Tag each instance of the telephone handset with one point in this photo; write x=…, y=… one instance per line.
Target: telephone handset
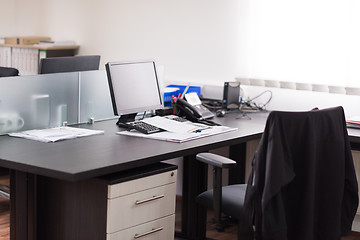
x=192, y=108
x=187, y=110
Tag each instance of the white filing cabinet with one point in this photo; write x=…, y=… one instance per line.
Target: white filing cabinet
x=143, y=208
x=135, y=204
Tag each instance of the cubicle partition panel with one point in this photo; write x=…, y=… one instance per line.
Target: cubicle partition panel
x=95, y=100
x=51, y=100
x=39, y=101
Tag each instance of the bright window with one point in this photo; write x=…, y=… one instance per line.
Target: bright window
x=310, y=41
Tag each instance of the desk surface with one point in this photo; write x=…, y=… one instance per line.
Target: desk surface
x=94, y=156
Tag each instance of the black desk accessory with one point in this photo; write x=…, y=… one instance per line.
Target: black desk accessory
x=231, y=96
x=220, y=113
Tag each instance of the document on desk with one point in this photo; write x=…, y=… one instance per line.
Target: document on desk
x=173, y=126
x=353, y=122
x=55, y=134
x=179, y=131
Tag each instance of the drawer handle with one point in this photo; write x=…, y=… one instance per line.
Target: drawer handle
x=148, y=200
x=149, y=232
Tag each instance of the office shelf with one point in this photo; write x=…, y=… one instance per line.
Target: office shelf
x=26, y=57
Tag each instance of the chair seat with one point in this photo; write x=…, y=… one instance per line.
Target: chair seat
x=8, y=72
x=233, y=197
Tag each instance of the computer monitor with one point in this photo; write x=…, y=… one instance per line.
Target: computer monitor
x=69, y=64
x=134, y=88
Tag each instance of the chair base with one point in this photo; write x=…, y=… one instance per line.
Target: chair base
x=4, y=191
x=226, y=221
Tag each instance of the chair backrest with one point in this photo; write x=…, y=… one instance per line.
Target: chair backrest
x=69, y=64
x=303, y=183
x=8, y=72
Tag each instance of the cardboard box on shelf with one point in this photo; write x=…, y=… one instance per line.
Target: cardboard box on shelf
x=11, y=40
x=30, y=40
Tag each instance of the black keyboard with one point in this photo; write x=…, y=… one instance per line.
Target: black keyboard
x=179, y=119
x=144, y=127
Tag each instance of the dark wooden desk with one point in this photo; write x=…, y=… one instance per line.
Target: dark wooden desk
x=354, y=138
x=86, y=158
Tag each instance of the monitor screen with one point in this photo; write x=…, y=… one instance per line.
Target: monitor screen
x=69, y=64
x=134, y=86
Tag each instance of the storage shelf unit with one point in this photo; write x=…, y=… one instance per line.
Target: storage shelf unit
x=26, y=57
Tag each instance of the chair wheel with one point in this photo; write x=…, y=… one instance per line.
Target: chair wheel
x=219, y=227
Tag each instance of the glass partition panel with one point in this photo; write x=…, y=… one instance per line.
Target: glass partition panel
x=95, y=100
x=39, y=101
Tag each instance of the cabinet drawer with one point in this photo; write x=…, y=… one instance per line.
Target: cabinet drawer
x=141, y=184
x=140, y=207
x=161, y=229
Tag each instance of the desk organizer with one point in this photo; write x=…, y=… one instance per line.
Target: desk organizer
x=181, y=88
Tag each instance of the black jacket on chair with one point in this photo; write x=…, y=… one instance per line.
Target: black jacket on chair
x=303, y=184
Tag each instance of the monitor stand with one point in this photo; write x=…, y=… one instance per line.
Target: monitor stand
x=123, y=119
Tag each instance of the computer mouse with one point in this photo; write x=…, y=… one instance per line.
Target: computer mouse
x=220, y=113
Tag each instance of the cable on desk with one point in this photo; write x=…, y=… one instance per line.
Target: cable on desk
x=251, y=105
x=212, y=104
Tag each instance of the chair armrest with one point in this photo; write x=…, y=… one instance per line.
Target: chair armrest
x=215, y=160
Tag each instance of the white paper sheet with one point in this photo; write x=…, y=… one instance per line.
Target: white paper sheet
x=180, y=137
x=55, y=134
x=175, y=126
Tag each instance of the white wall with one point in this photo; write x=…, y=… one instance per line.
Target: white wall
x=7, y=17
x=196, y=40
x=301, y=100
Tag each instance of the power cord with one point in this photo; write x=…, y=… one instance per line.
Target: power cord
x=251, y=105
x=212, y=104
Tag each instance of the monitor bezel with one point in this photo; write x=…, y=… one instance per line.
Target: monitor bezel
x=130, y=111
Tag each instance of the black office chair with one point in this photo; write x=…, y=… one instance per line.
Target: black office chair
x=228, y=199
x=8, y=72
x=4, y=172
x=69, y=64
x=303, y=183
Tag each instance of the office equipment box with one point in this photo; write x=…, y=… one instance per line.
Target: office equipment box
x=175, y=90
x=126, y=205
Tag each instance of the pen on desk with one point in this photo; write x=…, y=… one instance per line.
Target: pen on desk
x=200, y=130
x=185, y=90
x=174, y=105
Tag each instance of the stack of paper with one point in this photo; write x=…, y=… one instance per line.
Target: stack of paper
x=55, y=43
x=56, y=134
x=353, y=122
x=178, y=131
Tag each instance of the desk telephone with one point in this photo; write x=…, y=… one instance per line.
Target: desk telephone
x=192, y=108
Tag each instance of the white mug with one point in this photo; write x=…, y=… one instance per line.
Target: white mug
x=10, y=122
